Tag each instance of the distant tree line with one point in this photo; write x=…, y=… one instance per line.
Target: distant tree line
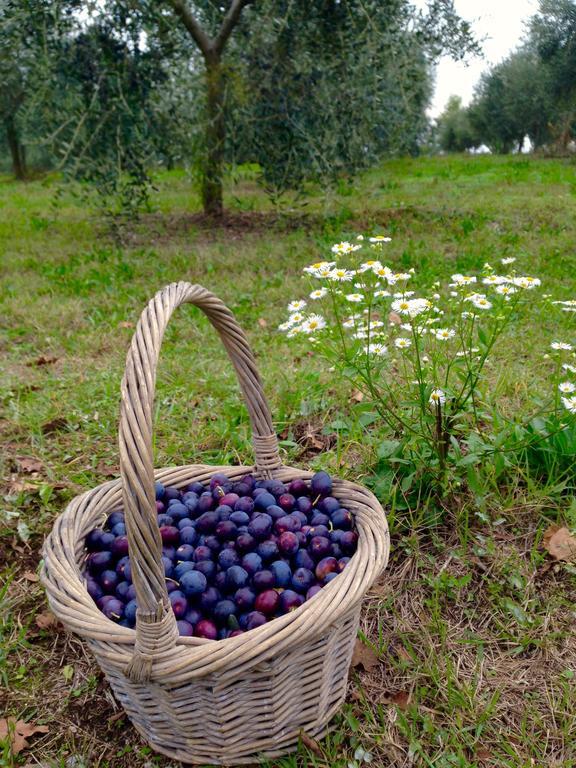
x=307, y=90
x=532, y=93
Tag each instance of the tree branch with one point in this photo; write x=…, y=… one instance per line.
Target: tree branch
x=202, y=40
x=228, y=24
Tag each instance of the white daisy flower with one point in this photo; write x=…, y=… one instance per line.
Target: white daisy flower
x=459, y=279
x=354, y=297
x=508, y=260
x=494, y=280
x=285, y=326
x=569, y=303
x=437, y=397
x=381, y=294
x=482, y=303
x=526, y=282
x=505, y=290
x=561, y=345
x=566, y=387
x=381, y=271
x=376, y=349
x=403, y=295
x=443, y=334
x=371, y=264
x=359, y=237
x=296, y=306
x=402, y=343
x=294, y=331
x=402, y=276
x=570, y=403
x=345, y=247
x=361, y=334
x=342, y=275
x=569, y=368
x=411, y=307
x=466, y=315
x=313, y=323
x=295, y=319
x=313, y=269
x=380, y=239
x=319, y=293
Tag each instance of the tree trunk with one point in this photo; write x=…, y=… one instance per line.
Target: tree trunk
x=16, y=149
x=213, y=164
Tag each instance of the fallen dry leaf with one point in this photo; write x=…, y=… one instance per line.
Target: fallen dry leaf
x=20, y=486
x=482, y=754
x=107, y=470
x=356, y=396
x=29, y=464
x=125, y=324
x=43, y=360
x=560, y=543
x=31, y=576
x=401, y=699
x=262, y=323
x=395, y=318
x=45, y=620
x=18, y=731
x=311, y=744
x=55, y=425
x=364, y=656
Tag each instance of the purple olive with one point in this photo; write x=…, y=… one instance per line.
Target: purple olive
x=267, y=602
x=342, y=518
x=179, y=603
x=320, y=547
x=185, y=628
x=263, y=580
x=207, y=629
x=255, y=619
x=170, y=535
x=348, y=542
x=313, y=591
x=289, y=543
x=290, y=600
x=326, y=566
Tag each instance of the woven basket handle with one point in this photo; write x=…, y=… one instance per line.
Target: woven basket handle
x=155, y=624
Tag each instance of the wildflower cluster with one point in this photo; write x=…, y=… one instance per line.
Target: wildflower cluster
x=366, y=317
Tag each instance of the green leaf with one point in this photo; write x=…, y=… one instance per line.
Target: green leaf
x=387, y=448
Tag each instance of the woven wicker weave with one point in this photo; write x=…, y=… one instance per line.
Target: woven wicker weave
x=201, y=701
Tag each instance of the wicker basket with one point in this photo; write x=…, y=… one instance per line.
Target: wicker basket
x=202, y=701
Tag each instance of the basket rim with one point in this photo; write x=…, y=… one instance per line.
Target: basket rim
x=64, y=581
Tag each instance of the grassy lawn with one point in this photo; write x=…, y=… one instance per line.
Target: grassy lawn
x=471, y=626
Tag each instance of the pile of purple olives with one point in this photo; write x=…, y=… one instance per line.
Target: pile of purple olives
x=236, y=554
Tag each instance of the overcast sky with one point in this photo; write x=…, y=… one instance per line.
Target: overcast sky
x=501, y=22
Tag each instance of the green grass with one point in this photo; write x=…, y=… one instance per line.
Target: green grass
x=472, y=623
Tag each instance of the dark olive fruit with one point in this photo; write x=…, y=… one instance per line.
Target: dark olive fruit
x=219, y=479
x=319, y=547
x=342, y=518
x=169, y=552
x=185, y=552
x=263, y=580
x=226, y=530
x=282, y=573
x=131, y=594
x=171, y=585
x=202, y=553
x=298, y=488
x=205, y=503
x=275, y=487
x=236, y=577
x=342, y=563
x=130, y=611
x=252, y=562
x=170, y=535
x=268, y=550
x=321, y=484
x=330, y=577
x=114, y=518
x=303, y=504
x=245, y=543
x=209, y=599
x=160, y=507
x=193, y=583
x=224, y=512
x=121, y=565
x=165, y=519
x=255, y=619
x=193, y=616
x=171, y=493
x=303, y=559
x=244, y=504
x=302, y=580
x=113, y=609
x=227, y=558
x=220, y=580
x=197, y=488
x=319, y=518
x=290, y=600
x=185, y=628
x=168, y=566
x=275, y=512
x=229, y=499
x=313, y=591
x=207, y=567
x=93, y=588
x=242, y=489
x=159, y=490
x=335, y=535
x=183, y=568
x=240, y=518
x=319, y=530
x=223, y=610
x=348, y=542
x=326, y=566
x=109, y=581
x=185, y=522
x=264, y=500
x=236, y=632
x=188, y=535
x=267, y=602
x=207, y=629
x=178, y=511
x=260, y=526
x=287, y=523
x=286, y=501
x=93, y=540
x=207, y=522
x=118, y=530
x=122, y=590
x=244, y=599
x=328, y=505
x=288, y=543
x=99, y=561
x=179, y=603
x=302, y=517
